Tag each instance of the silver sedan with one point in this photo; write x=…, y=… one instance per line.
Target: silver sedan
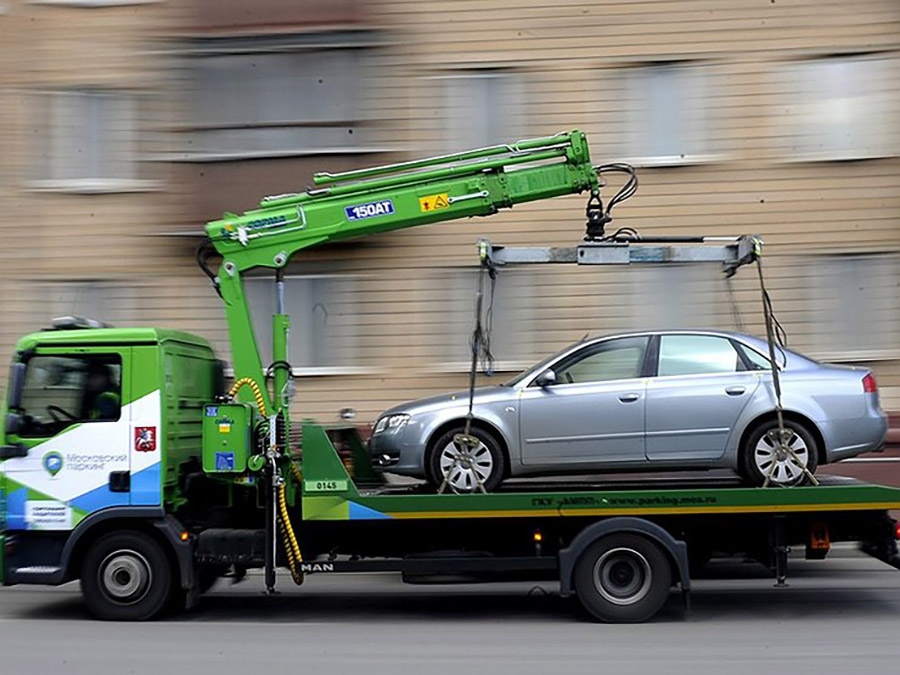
x=669, y=400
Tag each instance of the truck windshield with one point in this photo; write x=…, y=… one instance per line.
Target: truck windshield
x=61, y=390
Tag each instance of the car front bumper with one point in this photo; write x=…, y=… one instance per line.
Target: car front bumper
x=398, y=452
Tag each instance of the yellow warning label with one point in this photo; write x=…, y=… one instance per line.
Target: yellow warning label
x=434, y=202
x=224, y=428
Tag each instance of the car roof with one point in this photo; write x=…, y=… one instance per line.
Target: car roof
x=677, y=331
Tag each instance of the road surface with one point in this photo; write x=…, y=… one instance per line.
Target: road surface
x=841, y=615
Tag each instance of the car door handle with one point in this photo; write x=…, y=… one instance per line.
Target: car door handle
x=628, y=398
x=735, y=391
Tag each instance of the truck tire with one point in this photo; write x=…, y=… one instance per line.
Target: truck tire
x=758, y=452
x=487, y=459
x=126, y=576
x=623, y=578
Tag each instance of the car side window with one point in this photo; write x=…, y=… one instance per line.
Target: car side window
x=755, y=360
x=60, y=391
x=696, y=355
x=618, y=359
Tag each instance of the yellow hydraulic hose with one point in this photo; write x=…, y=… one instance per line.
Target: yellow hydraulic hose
x=257, y=393
x=291, y=547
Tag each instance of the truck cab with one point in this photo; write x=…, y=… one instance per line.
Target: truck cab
x=101, y=423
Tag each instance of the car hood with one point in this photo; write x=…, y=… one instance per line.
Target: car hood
x=453, y=399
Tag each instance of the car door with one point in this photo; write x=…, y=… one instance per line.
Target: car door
x=700, y=387
x=594, y=414
x=77, y=435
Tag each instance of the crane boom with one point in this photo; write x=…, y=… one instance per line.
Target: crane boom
x=373, y=200
x=396, y=196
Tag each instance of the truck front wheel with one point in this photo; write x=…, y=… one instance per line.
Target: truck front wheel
x=126, y=576
x=623, y=578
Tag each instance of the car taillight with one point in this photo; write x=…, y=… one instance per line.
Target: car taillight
x=869, y=385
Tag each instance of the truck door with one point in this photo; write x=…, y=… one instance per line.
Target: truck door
x=78, y=434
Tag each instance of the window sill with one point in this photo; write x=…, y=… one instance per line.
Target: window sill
x=93, y=186
x=801, y=157
x=202, y=158
x=857, y=356
x=323, y=371
x=93, y=4
x=464, y=366
x=672, y=160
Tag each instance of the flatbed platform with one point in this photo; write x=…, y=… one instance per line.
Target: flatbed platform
x=329, y=493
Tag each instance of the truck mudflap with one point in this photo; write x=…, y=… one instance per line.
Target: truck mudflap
x=885, y=547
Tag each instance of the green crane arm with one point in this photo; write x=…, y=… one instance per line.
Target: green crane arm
x=381, y=199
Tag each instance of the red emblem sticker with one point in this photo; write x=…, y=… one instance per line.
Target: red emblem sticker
x=145, y=439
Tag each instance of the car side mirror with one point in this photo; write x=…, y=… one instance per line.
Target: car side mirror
x=546, y=379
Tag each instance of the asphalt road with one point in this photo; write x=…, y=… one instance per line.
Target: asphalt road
x=838, y=616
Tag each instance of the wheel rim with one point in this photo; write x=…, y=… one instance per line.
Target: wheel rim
x=778, y=464
x=125, y=577
x=460, y=465
x=622, y=576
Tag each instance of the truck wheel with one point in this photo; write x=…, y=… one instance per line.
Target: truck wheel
x=760, y=457
x=623, y=578
x=461, y=464
x=126, y=576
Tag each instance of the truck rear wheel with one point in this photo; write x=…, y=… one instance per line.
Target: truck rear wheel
x=126, y=576
x=623, y=578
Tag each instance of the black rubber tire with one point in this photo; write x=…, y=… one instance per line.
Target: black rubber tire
x=432, y=459
x=142, y=553
x=623, y=552
x=751, y=473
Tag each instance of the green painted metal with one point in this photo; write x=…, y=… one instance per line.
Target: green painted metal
x=184, y=371
x=393, y=198
x=226, y=437
x=107, y=336
x=322, y=467
x=281, y=327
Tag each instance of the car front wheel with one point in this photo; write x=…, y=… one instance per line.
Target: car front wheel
x=461, y=467
x=126, y=576
x=763, y=457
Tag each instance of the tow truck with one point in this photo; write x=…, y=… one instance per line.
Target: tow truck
x=127, y=462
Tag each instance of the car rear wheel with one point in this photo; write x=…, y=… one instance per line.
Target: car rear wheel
x=762, y=457
x=623, y=578
x=464, y=466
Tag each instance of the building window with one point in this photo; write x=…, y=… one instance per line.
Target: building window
x=277, y=104
x=448, y=315
x=677, y=296
x=482, y=108
x=838, y=108
x=667, y=117
x=85, y=138
x=855, y=314
x=105, y=301
x=323, y=336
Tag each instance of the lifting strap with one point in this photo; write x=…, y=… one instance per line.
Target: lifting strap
x=480, y=345
x=775, y=335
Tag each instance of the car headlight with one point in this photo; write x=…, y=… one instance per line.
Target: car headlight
x=390, y=422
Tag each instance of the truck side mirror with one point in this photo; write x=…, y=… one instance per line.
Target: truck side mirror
x=546, y=379
x=13, y=423
x=16, y=385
